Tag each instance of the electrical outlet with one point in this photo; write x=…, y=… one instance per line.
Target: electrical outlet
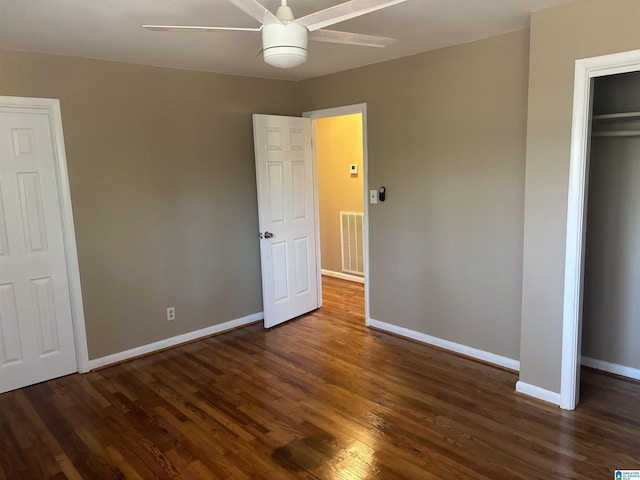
x=171, y=313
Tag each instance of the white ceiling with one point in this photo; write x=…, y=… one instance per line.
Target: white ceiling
x=110, y=29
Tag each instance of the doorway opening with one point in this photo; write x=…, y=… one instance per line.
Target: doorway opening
x=339, y=137
x=586, y=71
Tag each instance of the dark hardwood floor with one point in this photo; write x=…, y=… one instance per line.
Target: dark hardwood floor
x=320, y=397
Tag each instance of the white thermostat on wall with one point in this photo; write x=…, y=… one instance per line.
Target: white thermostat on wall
x=353, y=169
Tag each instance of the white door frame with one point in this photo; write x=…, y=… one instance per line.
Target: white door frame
x=51, y=107
x=337, y=112
x=585, y=71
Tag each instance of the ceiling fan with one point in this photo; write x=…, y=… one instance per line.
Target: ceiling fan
x=284, y=38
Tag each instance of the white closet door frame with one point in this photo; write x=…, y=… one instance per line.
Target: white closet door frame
x=51, y=107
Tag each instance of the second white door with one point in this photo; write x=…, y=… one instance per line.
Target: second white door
x=286, y=210
x=36, y=328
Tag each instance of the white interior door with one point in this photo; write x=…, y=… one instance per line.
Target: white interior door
x=36, y=327
x=286, y=210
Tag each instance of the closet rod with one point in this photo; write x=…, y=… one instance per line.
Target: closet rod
x=617, y=116
x=616, y=133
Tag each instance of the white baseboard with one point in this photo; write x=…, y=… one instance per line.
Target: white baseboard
x=343, y=276
x=465, y=350
x=173, y=341
x=615, y=368
x=537, y=392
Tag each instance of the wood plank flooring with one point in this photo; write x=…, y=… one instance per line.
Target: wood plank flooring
x=321, y=397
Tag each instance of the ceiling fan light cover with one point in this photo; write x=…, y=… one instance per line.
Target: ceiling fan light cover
x=285, y=45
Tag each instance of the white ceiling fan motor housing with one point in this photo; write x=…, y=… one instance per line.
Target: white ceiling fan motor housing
x=284, y=44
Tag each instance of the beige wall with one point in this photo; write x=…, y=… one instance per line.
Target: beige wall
x=446, y=136
x=559, y=36
x=163, y=189
x=163, y=184
x=338, y=145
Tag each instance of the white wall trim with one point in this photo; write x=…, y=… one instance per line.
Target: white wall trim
x=615, y=368
x=465, y=350
x=343, y=276
x=348, y=110
x=173, y=341
x=51, y=107
x=585, y=70
x=537, y=392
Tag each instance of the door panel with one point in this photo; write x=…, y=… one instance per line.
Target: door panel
x=32, y=214
x=302, y=264
x=36, y=329
x=11, y=347
x=275, y=188
x=286, y=207
x=298, y=187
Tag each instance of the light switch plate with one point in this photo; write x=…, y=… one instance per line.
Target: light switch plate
x=353, y=169
x=373, y=196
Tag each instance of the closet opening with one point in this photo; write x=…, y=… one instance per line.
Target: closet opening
x=611, y=288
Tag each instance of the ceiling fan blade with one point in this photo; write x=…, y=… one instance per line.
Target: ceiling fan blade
x=194, y=28
x=256, y=10
x=342, y=12
x=333, y=36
